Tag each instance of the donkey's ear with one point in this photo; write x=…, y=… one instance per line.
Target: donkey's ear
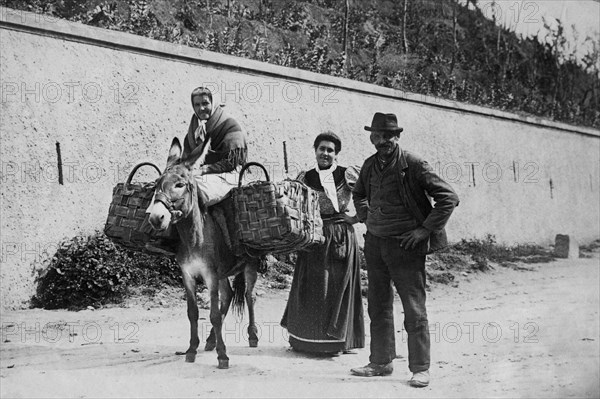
x=198, y=155
x=174, y=152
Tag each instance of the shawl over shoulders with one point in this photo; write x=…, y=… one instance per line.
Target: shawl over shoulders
x=228, y=139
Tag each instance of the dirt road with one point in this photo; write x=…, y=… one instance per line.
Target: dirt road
x=508, y=333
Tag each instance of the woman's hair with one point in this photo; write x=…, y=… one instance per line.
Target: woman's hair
x=199, y=91
x=329, y=136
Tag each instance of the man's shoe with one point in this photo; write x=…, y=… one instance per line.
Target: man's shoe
x=373, y=369
x=420, y=379
x=162, y=246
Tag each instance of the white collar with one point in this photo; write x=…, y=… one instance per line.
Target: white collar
x=328, y=183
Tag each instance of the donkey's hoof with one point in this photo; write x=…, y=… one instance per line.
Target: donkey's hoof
x=223, y=364
x=190, y=357
x=253, y=343
x=210, y=346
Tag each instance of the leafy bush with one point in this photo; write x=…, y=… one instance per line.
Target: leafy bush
x=94, y=271
x=489, y=249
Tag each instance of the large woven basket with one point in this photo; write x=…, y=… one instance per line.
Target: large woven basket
x=127, y=221
x=276, y=217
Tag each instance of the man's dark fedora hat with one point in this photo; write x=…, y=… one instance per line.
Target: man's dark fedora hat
x=384, y=122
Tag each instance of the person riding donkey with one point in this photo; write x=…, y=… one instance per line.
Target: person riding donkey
x=220, y=171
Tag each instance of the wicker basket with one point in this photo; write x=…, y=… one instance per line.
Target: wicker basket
x=127, y=221
x=276, y=217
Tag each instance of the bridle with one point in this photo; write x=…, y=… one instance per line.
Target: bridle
x=160, y=196
x=174, y=207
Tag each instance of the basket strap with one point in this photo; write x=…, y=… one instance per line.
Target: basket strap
x=246, y=166
x=139, y=165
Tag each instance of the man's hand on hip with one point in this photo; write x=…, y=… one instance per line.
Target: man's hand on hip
x=409, y=240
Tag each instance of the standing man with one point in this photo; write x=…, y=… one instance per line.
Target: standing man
x=391, y=197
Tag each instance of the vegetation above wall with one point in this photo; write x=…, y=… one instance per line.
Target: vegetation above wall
x=440, y=48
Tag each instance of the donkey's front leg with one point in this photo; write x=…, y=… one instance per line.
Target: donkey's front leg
x=225, y=296
x=250, y=274
x=216, y=319
x=192, y=310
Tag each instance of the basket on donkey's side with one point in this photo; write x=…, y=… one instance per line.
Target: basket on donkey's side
x=276, y=217
x=127, y=223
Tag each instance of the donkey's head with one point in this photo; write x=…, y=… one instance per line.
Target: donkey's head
x=176, y=191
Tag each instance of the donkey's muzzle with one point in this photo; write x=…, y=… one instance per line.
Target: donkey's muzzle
x=160, y=217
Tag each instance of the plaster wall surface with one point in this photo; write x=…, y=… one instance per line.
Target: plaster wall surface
x=110, y=106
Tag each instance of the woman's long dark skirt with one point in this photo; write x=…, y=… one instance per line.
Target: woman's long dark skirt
x=324, y=312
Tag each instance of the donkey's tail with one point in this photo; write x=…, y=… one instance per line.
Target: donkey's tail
x=239, y=292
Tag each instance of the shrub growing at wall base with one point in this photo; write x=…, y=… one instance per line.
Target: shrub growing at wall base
x=487, y=248
x=92, y=271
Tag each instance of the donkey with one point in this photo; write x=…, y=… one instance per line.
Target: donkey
x=202, y=253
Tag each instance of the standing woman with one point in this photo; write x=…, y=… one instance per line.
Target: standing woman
x=324, y=312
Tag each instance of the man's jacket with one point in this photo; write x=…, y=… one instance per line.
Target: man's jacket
x=418, y=182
